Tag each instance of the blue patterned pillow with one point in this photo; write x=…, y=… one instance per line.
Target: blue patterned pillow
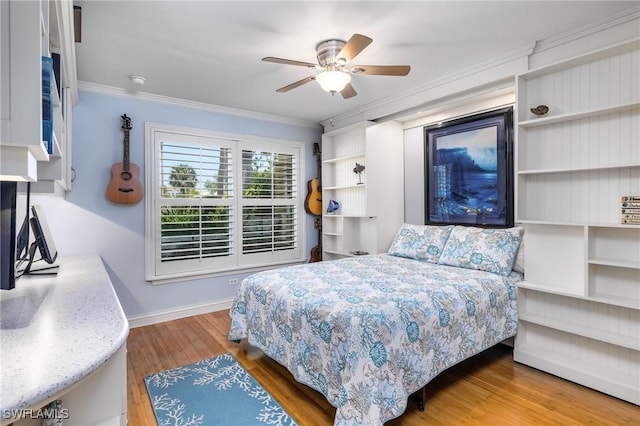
x=491, y=250
x=518, y=264
x=421, y=242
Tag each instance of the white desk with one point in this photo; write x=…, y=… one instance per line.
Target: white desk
x=64, y=337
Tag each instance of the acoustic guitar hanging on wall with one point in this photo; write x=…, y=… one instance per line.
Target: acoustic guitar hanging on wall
x=313, y=201
x=125, y=187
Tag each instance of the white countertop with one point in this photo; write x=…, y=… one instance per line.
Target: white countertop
x=56, y=330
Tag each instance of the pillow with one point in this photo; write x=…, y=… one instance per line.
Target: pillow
x=485, y=249
x=518, y=265
x=420, y=242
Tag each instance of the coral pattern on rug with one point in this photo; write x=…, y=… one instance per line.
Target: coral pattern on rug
x=214, y=391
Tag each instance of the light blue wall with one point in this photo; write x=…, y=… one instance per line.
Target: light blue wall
x=86, y=223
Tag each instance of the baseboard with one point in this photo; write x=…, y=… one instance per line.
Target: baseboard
x=182, y=312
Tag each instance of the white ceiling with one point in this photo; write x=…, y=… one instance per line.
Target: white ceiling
x=211, y=51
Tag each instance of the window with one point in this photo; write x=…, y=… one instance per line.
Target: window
x=220, y=202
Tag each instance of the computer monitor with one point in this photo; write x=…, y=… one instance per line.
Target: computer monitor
x=43, y=242
x=22, y=238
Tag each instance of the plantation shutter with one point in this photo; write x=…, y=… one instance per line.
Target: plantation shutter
x=269, y=204
x=220, y=204
x=196, y=204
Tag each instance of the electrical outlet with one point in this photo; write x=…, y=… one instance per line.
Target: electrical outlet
x=233, y=281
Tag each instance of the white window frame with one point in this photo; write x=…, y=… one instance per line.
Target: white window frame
x=155, y=272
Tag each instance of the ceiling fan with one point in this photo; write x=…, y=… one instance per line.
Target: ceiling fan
x=333, y=56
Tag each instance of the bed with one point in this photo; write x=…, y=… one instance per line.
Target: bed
x=368, y=331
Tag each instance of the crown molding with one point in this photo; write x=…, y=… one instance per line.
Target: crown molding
x=144, y=96
x=588, y=29
x=365, y=112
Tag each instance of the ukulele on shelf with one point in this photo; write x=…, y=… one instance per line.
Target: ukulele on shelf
x=313, y=202
x=124, y=187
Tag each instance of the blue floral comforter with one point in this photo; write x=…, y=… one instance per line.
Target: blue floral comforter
x=369, y=331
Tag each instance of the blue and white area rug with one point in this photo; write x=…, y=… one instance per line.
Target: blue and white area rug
x=215, y=391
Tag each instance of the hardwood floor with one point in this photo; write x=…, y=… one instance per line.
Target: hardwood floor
x=489, y=389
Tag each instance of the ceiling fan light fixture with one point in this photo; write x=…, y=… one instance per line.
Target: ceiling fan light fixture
x=333, y=55
x=333, y=81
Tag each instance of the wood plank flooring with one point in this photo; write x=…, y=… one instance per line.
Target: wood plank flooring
x=489, y=389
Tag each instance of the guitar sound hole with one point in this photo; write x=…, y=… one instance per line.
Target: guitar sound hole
x=125, y=175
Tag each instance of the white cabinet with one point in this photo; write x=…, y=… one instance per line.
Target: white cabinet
x=32, y=30
x=579, y=305
x=371, y=203
x=98, y=400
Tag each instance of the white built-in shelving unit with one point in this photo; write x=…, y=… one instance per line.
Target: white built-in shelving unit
x=372, y=205
x=579, y=306
x=36, y=29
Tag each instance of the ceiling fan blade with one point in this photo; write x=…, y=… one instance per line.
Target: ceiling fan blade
x=296, y=84
x=399, y=70
x=348, y=91
x=354, y=46
x=289, y=62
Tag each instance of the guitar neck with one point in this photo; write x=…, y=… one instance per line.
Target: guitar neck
x=317, y=153
x=125, y=154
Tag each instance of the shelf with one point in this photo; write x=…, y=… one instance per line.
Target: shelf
x=18, y=163
x=343, y=253
x=547, y=222
x=577, y=369
x=615, y=263
x=548, y=288
x=580, y=224
x=571, y=363
x=616, y=49
x=545, y=121
x=335, y=188
x=339, y=253
x=343, y=158
x=50, y=187
x=607, y=336
x=577, y=169
x=607, y=299
x=340, y=216
x=624, y=302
